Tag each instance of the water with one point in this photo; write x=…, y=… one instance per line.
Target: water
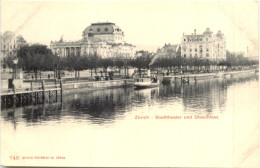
x=196, y=124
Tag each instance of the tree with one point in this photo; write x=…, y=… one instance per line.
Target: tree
x=119, y=63
x=93, y=62
x=36, y=57
x=142, y=62
x=105, y=63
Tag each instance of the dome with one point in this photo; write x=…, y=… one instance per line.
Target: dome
x=102, y=28
x=207, y=31
x=219, y=34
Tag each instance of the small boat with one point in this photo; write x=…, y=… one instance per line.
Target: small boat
x=146, y=82
x=185, y=80
x=219, y=75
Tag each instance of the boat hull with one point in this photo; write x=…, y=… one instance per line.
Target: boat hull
x=143, y=86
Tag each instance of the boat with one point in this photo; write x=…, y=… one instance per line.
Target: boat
x=185, y=80
x=146, y=82
x=219, y=75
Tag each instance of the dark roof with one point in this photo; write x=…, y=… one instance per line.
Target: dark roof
x=102, y=28
x=103, y=23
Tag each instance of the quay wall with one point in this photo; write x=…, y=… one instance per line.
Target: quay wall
x=203, y=76
x=87, y=86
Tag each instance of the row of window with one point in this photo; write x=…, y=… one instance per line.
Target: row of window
x=196, y=55
x=11, y=47
x=98, y=29
x=195, y=39
x=118, y=38
x=195, y=50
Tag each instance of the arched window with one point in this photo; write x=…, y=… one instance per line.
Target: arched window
x=98, y=30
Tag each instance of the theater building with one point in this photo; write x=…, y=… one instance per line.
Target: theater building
x=104, y=39
x=206, y=45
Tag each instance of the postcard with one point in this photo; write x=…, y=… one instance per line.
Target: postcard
x=130, y=83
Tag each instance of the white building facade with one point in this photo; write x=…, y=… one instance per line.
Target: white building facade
x=10, y=44
x=104, y=39
x=205, y=46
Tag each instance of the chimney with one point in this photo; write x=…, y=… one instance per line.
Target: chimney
x=194, y=31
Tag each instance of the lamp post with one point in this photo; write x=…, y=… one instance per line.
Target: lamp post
x=15, y=61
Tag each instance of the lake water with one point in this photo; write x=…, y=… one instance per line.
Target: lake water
x=210, y=123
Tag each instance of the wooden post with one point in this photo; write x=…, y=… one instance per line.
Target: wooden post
x=31, y=93
x=43, y=93
x=56, y=90
x=49, y=96
x=21, y=99
x=61, y=90
x=14, y=100
x=5, y=101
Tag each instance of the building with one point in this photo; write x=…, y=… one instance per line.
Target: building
x=104, y=39
x=207, y=45
x=10, y=43
x=168, y=50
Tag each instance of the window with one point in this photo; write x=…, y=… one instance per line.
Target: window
x=196, y=55
x=190, y=50
x=184, y=55
x=195, y=49
x=207, y=49
x=14, y=46
x=98, y=30
x=201, y=50
x=106, y=29
x=207, y=55
x=90, y=29
x=190, y=55
x=184, y=39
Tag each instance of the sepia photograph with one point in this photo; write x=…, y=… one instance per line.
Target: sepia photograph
x=129, y=83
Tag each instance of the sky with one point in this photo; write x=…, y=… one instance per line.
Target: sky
x=146, y=24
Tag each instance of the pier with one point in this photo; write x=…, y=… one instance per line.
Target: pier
x=48, y=92
x=36, y=94
x=186, y=78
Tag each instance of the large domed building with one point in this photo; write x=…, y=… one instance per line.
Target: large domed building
x=105, y=39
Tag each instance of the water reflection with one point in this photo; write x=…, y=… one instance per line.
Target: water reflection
x=108, y=106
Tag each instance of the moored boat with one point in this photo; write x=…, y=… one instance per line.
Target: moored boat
x=146, y=82
x=219, y=75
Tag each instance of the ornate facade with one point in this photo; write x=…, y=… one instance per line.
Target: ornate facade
x=207, y=45
x=10, y=43
x=104, y=39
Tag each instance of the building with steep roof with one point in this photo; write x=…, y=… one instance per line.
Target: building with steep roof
x=104, y=39
x=10, y=43
x=169, y=50
x=206, y=46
